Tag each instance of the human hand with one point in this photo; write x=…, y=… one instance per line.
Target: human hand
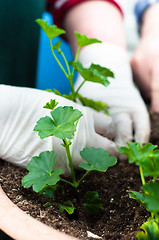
x=21, y=108
x=127, y=108
x=145, y=60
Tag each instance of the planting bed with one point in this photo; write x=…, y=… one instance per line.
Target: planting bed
x=120, y=217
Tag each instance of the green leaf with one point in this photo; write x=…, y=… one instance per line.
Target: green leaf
x=139, y=197
x=151, y=231
x=136, y=153
x=49, y=90
x=92, y=202
x=150, y=166
x=68, y=96
x=51, y=31
x=57, y=92
x=49, y=191
x=42, y=172
x=97, y=159
x=61, y=125
x=151, y=196
x=96, y=105
x=95, y=73
x=83, y=40
x=57, y=46
x=51, y=105
x=68, y=207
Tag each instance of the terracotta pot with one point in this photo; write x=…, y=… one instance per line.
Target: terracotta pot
x=20, y=226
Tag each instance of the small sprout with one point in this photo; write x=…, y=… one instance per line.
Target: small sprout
x=68, y=207
x=92, y=202
x=51, y=105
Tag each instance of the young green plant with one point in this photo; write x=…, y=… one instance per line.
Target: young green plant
x=147, y=159
x=43, y=176
x=95, y=73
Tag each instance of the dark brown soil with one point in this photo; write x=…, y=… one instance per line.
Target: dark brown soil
x=120, y=217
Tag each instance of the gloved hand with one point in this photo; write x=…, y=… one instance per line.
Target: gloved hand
x=21, y=108
x=127, y=108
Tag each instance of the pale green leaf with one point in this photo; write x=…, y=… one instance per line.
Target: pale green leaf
x=83, y=40
x=51, y=31
x=57, y=45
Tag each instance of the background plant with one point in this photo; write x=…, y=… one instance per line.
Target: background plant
x=147, y=159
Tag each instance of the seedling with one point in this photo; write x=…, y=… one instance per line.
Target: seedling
x=95, y=73
x=43, y=176
x=147, y=158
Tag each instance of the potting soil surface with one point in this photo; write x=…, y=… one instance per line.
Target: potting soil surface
x=120, y=217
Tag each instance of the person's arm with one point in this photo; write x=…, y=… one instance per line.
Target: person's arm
x=20, y=226
x=145, y=61
x=96, y=19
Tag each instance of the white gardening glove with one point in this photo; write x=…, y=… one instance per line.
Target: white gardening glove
x=127, y=108
x=21, y=108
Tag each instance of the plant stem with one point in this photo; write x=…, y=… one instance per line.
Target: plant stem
x=142, y=175
x=66, y=145
x=154, y=179
x=57, y=59
x=157, y=217
x=76, y=58
x=152, y=215
x=79, y=87
x=69, y=76
x=66, y=62
x=77, y=54
x=63, y=180
x=83, y=177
